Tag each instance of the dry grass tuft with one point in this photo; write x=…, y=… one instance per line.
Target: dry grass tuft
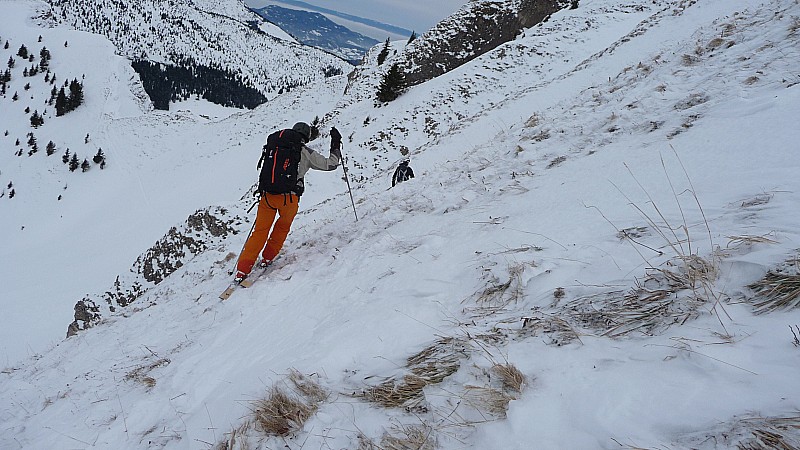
x=237, y=438
x=559, y=330
x=488, y=400
x=308, y=388
x=779, y=289
x=557, y=161
x=795, y=26
x=430, y=366
x=533, y=121
x=498, y=295
x=409, y=437
x=715, y=43
x=689, y=60
x=513, y=379
x=735, y=241
x=140, y=373
x=281, y=413
x=284, y=411
x=654, y=303
x=394, y=393
x=759, y=433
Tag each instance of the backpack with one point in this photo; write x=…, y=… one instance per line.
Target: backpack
x=281, y=158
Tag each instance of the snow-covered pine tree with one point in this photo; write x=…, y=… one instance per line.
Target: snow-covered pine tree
x=384, y=52
x=73, y=162
x=392, y=84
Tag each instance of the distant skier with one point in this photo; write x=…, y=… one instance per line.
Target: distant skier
x=286, y=160
x=403, y=173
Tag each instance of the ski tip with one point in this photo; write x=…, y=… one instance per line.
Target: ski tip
x=227, y=293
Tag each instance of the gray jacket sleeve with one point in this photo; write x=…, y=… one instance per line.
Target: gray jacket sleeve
x=310, y=159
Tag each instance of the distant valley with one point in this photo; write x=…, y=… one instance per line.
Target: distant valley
x=316, y=30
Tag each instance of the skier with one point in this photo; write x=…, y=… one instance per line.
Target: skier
x=286, y=160
x=403, y=173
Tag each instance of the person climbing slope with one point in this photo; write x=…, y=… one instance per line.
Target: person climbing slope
x=286, y=160
x=402, y=173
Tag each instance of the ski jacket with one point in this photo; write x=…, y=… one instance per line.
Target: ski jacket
x=402, y=173
x=310, y=159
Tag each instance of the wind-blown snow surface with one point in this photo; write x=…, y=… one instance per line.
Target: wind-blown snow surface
x=513, y=220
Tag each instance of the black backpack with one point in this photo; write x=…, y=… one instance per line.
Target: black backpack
x=281, y=159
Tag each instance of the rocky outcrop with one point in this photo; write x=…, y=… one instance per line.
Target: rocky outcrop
x=478, y=27
x=204, y=229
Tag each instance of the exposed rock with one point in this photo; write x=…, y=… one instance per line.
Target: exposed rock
x=478, y=27
x=202, y=230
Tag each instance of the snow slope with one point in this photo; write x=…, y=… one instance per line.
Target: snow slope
x=566, y=181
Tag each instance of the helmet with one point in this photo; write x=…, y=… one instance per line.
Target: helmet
x=302, y=128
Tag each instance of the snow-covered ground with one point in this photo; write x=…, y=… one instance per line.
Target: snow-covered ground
x=566, y=182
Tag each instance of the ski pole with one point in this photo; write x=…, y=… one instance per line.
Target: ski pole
x=347, y=179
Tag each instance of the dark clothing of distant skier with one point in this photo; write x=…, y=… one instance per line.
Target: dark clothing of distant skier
x=403, y=173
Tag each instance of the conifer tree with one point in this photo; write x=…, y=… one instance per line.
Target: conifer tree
x=412, y=37
x=44, y=55
x=11, y=62
x=15, y=97
x=73, y=162
x=65, y=157
x=51, y=148
x=392, y=84
x=36, y=119
x=384, y=52
x=5, y=47
x=61, y=102
x=99, y=157
x=85, y=166
x=75, y=94
x=22, y=52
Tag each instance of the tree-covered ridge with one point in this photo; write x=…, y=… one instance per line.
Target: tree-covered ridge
x=167, y=83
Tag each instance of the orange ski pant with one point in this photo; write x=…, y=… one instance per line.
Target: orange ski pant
x=285, y=206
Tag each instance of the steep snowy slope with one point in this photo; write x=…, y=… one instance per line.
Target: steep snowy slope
x=593, y=201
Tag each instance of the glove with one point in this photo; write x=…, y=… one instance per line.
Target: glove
x=336, y=138
x=336, y=143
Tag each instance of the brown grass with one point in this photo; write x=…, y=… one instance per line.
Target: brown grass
x=513, y=380
x=762, y=433
x=559, y=330
x=141, y=373
x=409, y=437
x=308, y=388
x=654, y=304
x=280, y=413
x=430, y=366
x=493, y=402
x=735, y=241
x=779, y=289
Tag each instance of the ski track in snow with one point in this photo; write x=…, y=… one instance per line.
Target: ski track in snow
x=529, y=162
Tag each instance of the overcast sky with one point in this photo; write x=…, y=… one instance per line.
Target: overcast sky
x=413, y=15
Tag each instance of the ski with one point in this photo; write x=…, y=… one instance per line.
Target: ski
x=257, y=273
